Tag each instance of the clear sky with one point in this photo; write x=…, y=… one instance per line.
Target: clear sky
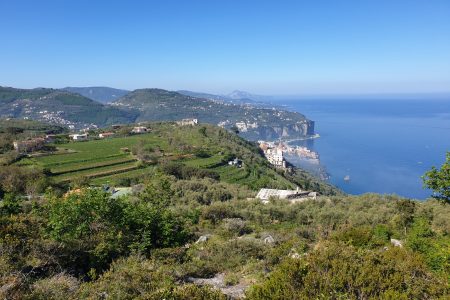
x=266, y=47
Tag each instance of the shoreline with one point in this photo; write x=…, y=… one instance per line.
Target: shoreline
x=315, y=136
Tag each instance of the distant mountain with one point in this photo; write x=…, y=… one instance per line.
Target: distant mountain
x=236, y=97
x=98, y=93
x=204, y=95
x=59, y=107
x=253, y=122
x=73, y=110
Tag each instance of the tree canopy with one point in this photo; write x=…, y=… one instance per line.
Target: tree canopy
x=439, y=180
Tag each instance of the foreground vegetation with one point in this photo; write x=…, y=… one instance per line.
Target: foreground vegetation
x=89, y=246
x=191, y=228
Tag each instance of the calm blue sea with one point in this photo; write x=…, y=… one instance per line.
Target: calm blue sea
x=383, y=145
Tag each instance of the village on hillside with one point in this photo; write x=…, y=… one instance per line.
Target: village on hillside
x=273, y=152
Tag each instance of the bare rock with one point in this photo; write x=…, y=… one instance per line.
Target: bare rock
x=203, y=238
x=268, y=239
x=218, y=282
x=396, y=243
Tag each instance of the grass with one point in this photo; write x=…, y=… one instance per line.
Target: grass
x=103, y=160
x=205, y=162
x=77, y=166
x=137, y=173
x=97, y=172
x=96, y=159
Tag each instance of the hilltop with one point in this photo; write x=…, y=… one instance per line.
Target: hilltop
x=100, y=94
x=253, y=122
x=59, y=107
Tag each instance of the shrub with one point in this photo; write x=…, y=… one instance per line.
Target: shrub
x=236, y=226
x=60, y=286
x=130, y=278
x=341, y=271
x=191, y=291
x=218, y=211
x=96, y=228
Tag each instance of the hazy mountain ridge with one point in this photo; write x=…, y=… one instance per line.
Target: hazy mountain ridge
x=75, y=111
x=59, y=107
x=101, y=94
x=236, y=97
x=253, y=122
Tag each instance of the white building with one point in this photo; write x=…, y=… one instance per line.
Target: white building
x=139, y=129
x=275, y=157
x=79, y=137
x=242, y=126
x=186, y=122
x=235, y=162
x=105, y=135
x=224, y=123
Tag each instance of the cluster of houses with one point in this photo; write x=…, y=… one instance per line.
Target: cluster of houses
x=274, y=154
x=244, y=127
x=136, y=130
x=103, y=135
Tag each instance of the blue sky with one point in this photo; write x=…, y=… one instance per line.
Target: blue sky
x=266, y=47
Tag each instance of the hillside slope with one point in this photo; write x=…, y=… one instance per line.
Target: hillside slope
x=59, y=107
x=253, y=122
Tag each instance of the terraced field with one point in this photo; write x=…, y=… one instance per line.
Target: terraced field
x=106, y=160
x=98, y=172
x=99, y=159
x=206, y=163
x=140, y=172
x=80, y=166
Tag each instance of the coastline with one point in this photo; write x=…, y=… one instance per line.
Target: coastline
x=311, y=137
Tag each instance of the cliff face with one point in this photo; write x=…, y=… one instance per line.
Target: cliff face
x=284, y=131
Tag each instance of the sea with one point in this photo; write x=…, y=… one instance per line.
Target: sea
x=377, y=145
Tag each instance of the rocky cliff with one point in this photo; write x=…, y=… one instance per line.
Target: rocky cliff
x=253, y=122
x=284, y=130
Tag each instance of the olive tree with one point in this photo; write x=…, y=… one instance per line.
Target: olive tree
x=439, y=181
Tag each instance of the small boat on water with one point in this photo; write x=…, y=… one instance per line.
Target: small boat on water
x=347, y=178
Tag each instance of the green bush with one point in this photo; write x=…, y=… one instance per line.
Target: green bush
x=340, y=271
x=130, y=278
x=96, y=228
x=60, y=286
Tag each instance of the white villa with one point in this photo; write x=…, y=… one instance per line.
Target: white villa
x=139, y=129
x=105, y=135
x=79, y=137
x=187, y=122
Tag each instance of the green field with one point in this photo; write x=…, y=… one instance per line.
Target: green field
x=105, y=161
x=99, y=159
